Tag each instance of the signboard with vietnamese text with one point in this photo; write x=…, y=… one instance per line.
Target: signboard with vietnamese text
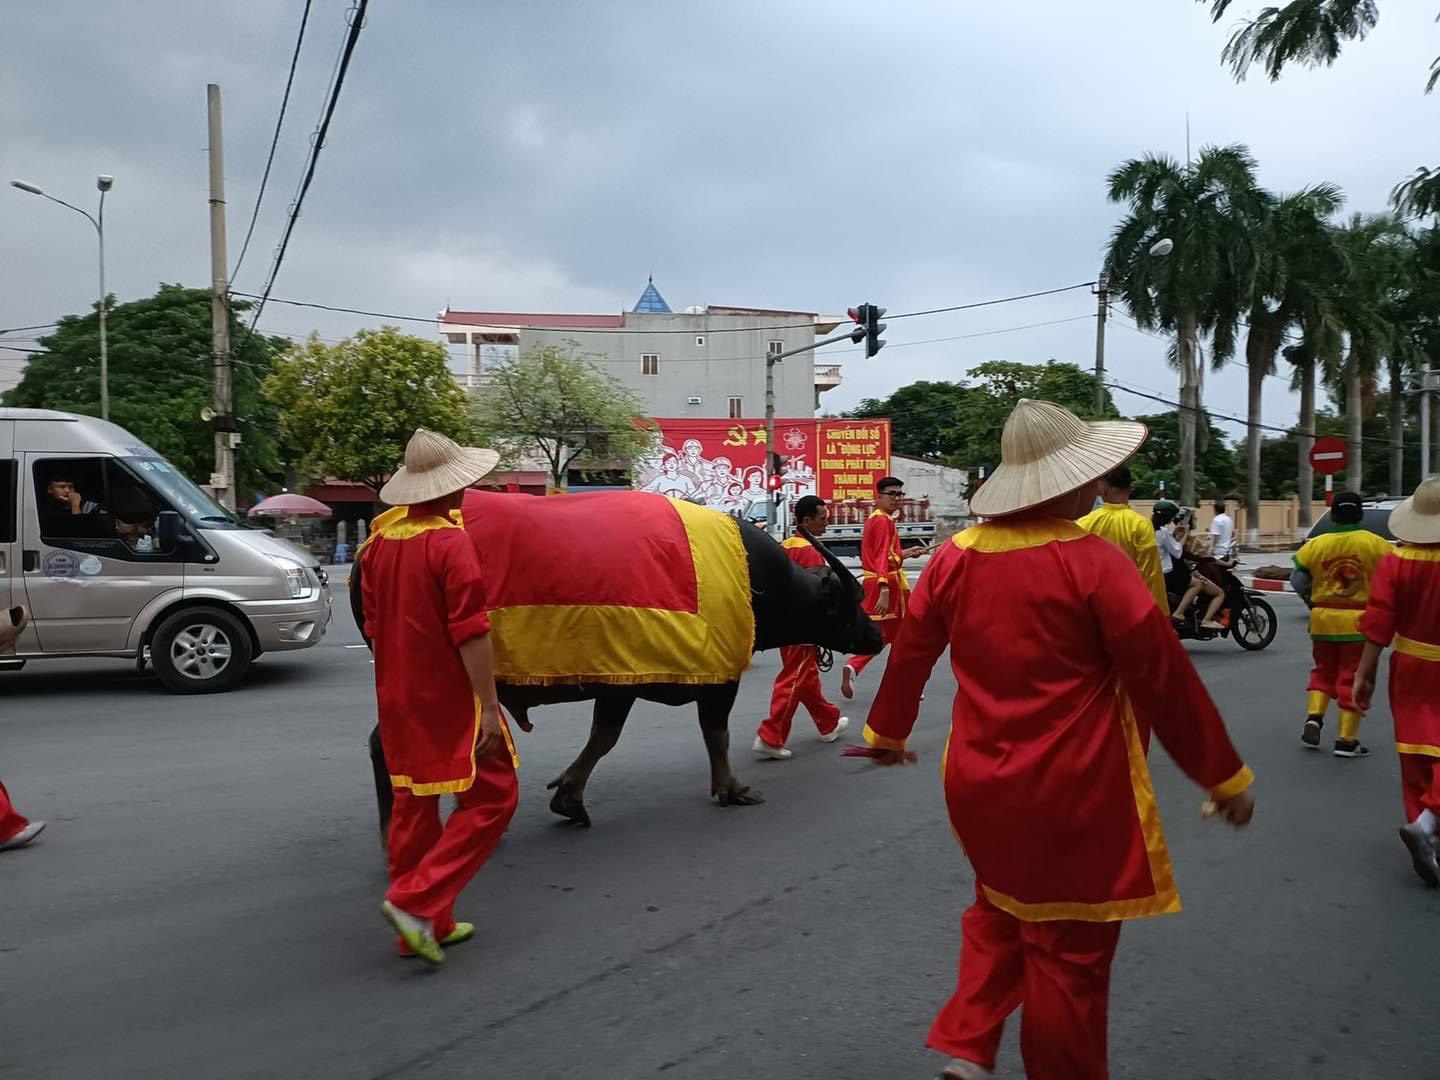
x=854, y=457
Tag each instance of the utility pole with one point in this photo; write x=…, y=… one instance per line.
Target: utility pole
x=1102, y=297
x=223, y=479
x=1427, y=385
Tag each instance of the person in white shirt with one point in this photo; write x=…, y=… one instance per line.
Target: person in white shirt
x=1222, y=533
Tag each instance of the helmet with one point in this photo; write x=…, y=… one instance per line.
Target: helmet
x=1165, y=511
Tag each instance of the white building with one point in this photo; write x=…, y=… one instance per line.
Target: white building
x=702, y=362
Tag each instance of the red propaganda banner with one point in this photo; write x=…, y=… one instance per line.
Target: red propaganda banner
x=721, y=463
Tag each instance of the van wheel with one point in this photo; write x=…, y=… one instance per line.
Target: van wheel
x=201, y=651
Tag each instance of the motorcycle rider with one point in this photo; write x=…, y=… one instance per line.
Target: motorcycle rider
x=1180, y=579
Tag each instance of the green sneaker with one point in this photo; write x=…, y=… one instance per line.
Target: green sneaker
x=462, y=933
x=415, y=933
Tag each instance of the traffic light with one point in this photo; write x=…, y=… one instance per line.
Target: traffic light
x=777, y=471
x=868, y=327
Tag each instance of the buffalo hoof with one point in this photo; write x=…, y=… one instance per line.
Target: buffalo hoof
x=568, y=804
x=738, y=794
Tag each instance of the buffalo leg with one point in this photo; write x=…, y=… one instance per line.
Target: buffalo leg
x=611, y=712
x=384, y=796
x=714, y=706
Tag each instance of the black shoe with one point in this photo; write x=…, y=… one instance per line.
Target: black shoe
x=1350, y=748
x=1310, y=736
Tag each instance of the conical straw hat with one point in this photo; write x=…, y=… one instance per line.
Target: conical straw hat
x=1417, y=519
x=1047, y=451
x=436, y=466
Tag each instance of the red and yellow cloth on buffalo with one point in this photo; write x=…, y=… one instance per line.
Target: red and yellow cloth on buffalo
x=881, y=560
x=1404, y=609
x=1064, y=666
x=423, y=598
x=1340, y=565
x=616, y=587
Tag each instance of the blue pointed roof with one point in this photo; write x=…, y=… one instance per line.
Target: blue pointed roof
x=651, y=301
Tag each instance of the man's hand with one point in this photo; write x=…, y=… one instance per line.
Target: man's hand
x=492, y=738
x=1237, y=810
x=882, y=601
x=913, y=552
x=1364, y=689
x=895, y=757
x=11, y=634
x=76, y=502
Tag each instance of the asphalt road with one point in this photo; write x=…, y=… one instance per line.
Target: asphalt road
x=203, y=903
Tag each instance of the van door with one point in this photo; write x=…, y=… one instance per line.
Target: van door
x=9, y=534
x=91, y=558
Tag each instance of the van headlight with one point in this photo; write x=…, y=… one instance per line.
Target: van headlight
x=295, y=578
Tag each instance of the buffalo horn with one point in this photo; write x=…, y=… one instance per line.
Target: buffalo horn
x=840, y=569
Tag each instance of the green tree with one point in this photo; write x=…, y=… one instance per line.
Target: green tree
x=997, y=386
x=1212, y=210
x=352, y=407
x=1313, y=33
x=160, y=379
x=558, y=405
x=1217, y=471
x=925, y=414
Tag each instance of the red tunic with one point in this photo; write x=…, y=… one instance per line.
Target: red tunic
x=1405, y=608
x=1064, y=664
x=423, y=599
x=881, y=560
x=803, y=553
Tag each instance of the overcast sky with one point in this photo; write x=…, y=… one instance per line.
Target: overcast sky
x=547, y=156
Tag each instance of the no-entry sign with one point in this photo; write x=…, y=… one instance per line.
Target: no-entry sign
x=1329, y=455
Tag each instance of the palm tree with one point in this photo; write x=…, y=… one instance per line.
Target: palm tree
x=1296, y=257
x=1209, y=207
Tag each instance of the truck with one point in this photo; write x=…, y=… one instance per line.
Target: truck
x=116, y=553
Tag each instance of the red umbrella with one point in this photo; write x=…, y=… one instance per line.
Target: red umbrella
x=290, y=505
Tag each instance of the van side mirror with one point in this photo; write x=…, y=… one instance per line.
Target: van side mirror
x=168, y=529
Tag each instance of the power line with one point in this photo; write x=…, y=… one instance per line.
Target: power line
x=17, y=329
x=990, y=303
x=274, y=142
x=357, y=22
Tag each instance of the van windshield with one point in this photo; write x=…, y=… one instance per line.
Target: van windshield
x=183, y=495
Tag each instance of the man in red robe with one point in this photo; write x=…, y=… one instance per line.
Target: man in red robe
x=799, y=680
x=16, y=830
x=1065, y=666
x=440, y=722
x=1404, y=610
x=882, y=560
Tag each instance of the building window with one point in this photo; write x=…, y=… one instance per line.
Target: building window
x=649, y=363
x=700, y=340
x=737, y=408
x=775, y=349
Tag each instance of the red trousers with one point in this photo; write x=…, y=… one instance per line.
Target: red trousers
x=1419, y=784
x=11, y=820
x=1334, y=671
x=797, y=684
x=1059, y=971
x=431, y=865
x=888, y=629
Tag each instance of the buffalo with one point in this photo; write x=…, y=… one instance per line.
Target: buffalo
x=791, y=606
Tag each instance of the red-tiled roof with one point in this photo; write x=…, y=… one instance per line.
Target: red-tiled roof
x=552, y=322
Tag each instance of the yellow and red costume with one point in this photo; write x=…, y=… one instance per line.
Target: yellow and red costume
x=424, y=597
x=1064, y=666
x=11, y=820
x=799, y=680
x=1404, y=609
x=881, y=563
x=1340, y=564
x=1134, y=535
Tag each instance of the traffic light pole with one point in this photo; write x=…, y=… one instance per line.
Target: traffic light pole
x=770, y=362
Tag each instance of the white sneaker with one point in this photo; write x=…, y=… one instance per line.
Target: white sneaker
x=24, y=836
x=959, y=1069
x=847, y=681
x=765, y=750
x=840, y=726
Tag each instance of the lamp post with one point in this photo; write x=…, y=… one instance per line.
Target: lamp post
x=1159, y=249
x=104, y=184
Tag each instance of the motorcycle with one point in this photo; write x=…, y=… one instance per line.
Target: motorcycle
x=1245, y=616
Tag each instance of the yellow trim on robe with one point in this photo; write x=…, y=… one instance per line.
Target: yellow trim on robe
x=880, y=742
x=1421, y=650
x=996, y=536
x=1422, y=749
x=1419, y=552
x=1234, y=786
x=944, y=764
x=450, y=787
x=1166, y=898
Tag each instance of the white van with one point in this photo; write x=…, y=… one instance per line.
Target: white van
x=116, y=553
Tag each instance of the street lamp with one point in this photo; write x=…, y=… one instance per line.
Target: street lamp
x=1159, y=249
x=103, y=183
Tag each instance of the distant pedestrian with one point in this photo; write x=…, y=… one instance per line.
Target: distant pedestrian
x=425, y=614
x=15, y=829
x=799, y=680
x=882, y=561
x=1222, y=533
x=1340, y=565
x=1404, y=609
x=1129, y=531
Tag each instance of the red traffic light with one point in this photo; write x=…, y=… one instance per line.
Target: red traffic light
x=775, y=483
x=856, y=314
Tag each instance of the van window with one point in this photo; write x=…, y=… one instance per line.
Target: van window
x=9, y=473
x=96, y=499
